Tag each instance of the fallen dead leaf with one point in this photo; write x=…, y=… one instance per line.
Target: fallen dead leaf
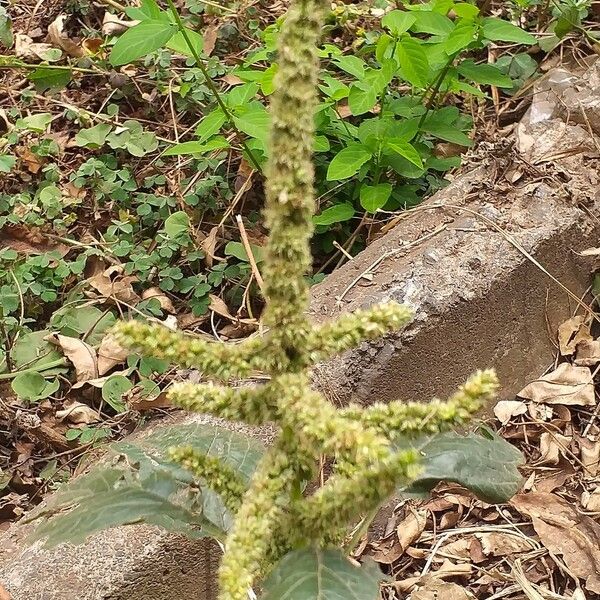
x=4, y=595
x=567, y=384
x=27, y=49
x=505, y=410
x=82, y=355
x=112, y=25
x=231, y=79
x=457, y=549
x=587, y=353
x=589, y=252
x=78, y=413
x=30, y=241
x=110, y=354
x=590, y=456
x=33, y=163
x=58, y=36
x=208, y=246
x=562, y=530
x=112, y=284
x=139, y=402
x=92, y=45
x=386, y=552
x=571, y=332
x=441, y=590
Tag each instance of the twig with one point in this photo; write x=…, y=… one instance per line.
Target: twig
x=251, y=259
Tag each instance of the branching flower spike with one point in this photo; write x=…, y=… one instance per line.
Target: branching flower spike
x=273, y=516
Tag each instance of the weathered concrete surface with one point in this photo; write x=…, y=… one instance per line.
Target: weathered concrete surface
x=479, y=302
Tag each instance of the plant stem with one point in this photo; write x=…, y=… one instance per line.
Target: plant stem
x=211, y=86
x=59, y=362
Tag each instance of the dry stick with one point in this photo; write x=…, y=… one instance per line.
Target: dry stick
x=251, y=259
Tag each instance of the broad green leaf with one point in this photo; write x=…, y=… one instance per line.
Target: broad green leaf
x=446, y=132
x=462, y=35
x=46, y=78
x=499, y=30
x=7, y=163
x=385, y=43
x=399, y=21
x=439, y=6
x=406, y=150
x=431, y=22
x=113, y=390
x=484, y=73
x=334, y=214
x=179, y=44
x=255, y=123
x=321, y=144
x=94, y=137
x=347, y=162
x=380, y=78
x=37, y=122
x=487, y=465
x=140, y=40
x=6, y=34
x=216, y=143
x=177, y=223
x=374, y=197
x=238, y=250
x=466, y=10
x=568, y=20
x=32, y=351
x=32, y=386
x=242, y=94
x=316, y=574
x=76, y=321
x=413, y=62
x=148, y=10
x=362, y=98
x=351, y=64
x=333, y=88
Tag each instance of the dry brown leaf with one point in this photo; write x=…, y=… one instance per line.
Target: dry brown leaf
x=110, y=354
x=499, y=543
x=112, y=25
x=564, y=531
x=210, y=36
x=58, y=36
x=505, y=410
x=4, y=595
x=386, y=552
x=441, y=590
x=591, y=500
x=555, y=481
x=457, y=549
x=589, y=252
x=78, y=413
x=98, y=382
x=164, y=300
x=112, y=284
x=145, y=402
x=450, y=569
x=27, y=49
x=565, y=385
x=92, y=45
x=590, y=456
x=33, y=163
x=587, y=353
x=411, y=528
x=571, y=332
x=552, y=446
x=231, y=79
x=82, y=355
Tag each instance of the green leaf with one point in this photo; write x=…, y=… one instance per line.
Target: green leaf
x=431, y=22
x=140, y=40
x=148, y=10
x=210, y=125
x=413, y=62
x=484, y=73
x=113, y=390
x=178, y=44
x=446, y=132
x=351, y=64
x=46, y=78
x=362, y=98
x=237, y=250
x=7, y=163
x=217, y=143
x=94, y=137
x=335, y=214
x=568, y=20
x=374, y=197
x=321, y=144
x=242, y=94
x=406, y=150
x=498, y=30
x=177, y=223
x=466, y=10
x=6, y=35
x=314, y=573
x=462, y=35
x=37, y=122
x=347, y=162
x=76, y=321
x=485, y=465
x=398, y=21
x=255, y=123
x=32, y=386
